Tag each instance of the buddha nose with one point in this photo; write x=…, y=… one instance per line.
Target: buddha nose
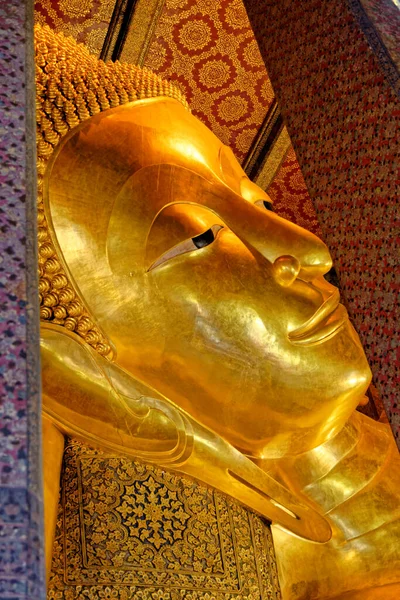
x=286, y=269
x=292, y=250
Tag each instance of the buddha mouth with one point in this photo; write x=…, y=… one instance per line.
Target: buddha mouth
x=324, y=324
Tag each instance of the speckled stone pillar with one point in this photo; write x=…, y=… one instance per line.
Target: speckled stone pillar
x=342, y=113
x=21, y=515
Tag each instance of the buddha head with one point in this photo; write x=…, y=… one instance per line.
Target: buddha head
x=182, y=275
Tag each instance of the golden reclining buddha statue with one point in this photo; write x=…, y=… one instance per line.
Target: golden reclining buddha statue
x=187, y=325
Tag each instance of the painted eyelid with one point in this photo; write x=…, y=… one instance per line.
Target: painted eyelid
x=183, y=247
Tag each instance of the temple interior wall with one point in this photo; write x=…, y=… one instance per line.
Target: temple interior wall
x=340, y=106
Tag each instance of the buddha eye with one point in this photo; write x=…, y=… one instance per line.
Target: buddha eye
x=195, y=243
x=268, y=205
x=265, y=204
x=204, y=239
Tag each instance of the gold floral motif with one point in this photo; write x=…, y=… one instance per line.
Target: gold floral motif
x=75, y=8
x=128, y=531
x=245, y=138
x=266, y=91
x=158, y=56
x=214, y=73
x=251, y=54
x=195, y=35
x=233, y=108
x=235, y=14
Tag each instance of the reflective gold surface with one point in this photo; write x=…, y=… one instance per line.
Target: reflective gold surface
x=53, y=444
x=232, y=359
x=97, y=401
x=354, y=480
x=244, y=334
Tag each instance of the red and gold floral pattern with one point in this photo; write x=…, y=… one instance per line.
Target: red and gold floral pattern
x=233, y=107
x=207, y=48
x=233, y=15
x=214, y=74
x=195, y=36
x=86, y=20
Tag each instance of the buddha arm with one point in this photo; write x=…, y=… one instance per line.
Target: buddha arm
x=94, y=400
x=354, y=480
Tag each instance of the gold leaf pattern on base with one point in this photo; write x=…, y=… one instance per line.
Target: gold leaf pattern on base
x=128, y=530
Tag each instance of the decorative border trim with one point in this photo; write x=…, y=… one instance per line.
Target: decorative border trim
x=150, y=32
x=268, y=150
x=377, y=44
x=110, y=45
x=22, y=574
x=263, y=142
x=274, y=160
x=131, y=30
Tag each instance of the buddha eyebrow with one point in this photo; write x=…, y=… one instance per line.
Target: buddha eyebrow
x=185, y=203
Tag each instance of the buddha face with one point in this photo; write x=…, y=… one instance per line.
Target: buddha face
x=207, y=295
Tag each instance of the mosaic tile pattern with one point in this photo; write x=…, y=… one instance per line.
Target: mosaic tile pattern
x=343, y=119
x=21, y=570
x=290, y=196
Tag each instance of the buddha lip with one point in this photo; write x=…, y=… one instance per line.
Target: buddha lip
x=324, y=323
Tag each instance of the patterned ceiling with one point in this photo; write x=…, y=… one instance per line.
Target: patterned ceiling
x=208, y=49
